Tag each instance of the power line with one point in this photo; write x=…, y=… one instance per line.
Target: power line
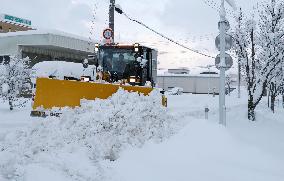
x=163, y=36
x=92, y=27
x=212, y=4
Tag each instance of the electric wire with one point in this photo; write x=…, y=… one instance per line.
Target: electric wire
x=92, y=28
x=212, y=4
x=167, y=38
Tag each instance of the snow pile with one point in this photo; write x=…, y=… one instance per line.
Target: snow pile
x=81, y=138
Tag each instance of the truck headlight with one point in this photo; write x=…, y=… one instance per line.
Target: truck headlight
x=132, y=79
x=85, y=79
x=136, y=47
x=97, y=47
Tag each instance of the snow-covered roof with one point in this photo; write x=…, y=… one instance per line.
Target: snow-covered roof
x=189, y=75
x=10, y=42
x=43, y=32
x=197, y=71
x=193, y=72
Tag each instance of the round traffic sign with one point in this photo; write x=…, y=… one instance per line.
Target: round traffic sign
x=107, y=33
x=225, y=23
x=228, y=42
x=228, y=62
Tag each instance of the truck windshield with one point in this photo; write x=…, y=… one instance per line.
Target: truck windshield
x=115, y=60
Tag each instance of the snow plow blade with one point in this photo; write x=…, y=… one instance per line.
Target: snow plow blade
x=65, y=93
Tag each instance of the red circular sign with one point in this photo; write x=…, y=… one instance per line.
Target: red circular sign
x=108, y=33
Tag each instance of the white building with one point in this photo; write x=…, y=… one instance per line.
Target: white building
x=196, y=81
x=196, y=84
x=45, y=46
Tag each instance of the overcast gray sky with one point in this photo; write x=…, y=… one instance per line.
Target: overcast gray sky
x=193, y=22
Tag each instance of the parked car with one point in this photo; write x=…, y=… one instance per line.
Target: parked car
x=175, y=91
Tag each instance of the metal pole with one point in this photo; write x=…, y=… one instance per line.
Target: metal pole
x=222, y=106
x=225, y=114
x=208, y=81
x=206, y=111
x=111, y=17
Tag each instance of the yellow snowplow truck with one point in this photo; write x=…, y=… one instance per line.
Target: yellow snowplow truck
x=130, y=67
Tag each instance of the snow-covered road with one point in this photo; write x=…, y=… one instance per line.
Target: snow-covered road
x=13, y=120
x=203, y=150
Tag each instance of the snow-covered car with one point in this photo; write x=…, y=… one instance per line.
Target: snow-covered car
x=175, y=91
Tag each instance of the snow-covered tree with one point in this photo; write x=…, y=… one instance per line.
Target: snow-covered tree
x=281, y=92
x=271, y=46
x=275, y=87
x=245, y=50
x=14, y=78
x=260, y=49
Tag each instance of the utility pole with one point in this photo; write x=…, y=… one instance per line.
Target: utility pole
x=222, y=106
x=111, y=17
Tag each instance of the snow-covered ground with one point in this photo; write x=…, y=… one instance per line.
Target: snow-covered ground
x=204, y=150
x=189, y=147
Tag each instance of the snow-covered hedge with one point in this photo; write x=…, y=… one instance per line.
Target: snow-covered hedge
x=101, y=128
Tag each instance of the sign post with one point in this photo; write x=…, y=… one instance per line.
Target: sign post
x=223, y=27
x=108, y=34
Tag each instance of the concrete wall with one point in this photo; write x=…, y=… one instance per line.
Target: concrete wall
x=190, y=84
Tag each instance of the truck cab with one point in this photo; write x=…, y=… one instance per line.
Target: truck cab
x=134, y=63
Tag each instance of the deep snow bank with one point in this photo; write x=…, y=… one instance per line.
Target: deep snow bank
x=74, y=144
x=205, y=150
